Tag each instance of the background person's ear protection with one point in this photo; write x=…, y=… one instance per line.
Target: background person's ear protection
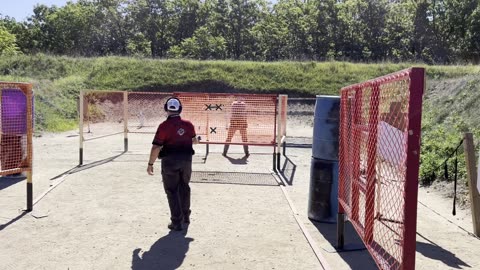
x=173, y=106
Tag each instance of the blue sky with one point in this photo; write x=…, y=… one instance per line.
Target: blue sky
x=21, y=9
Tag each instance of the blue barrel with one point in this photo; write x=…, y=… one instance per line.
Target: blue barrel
x=323, y=194
x=326, y=128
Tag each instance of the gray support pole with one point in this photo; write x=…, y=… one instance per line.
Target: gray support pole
x=278, y=161
x=274, y=159
x=283, y=114
x=279, y=128
x=340, y=230
x=30, y=148
x=125, y=121
x=279, y=135
x=29, y=190
x=80, y=127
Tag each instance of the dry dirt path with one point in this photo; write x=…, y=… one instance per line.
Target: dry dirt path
x=112, y=215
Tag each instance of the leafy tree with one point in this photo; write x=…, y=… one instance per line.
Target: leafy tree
x=373, y=14
x=111, y=29
x=217, y=21
x=243, y=16
x=153, y=19
x=349, y=37
x=441, y=31
x=422, y=35
x=8, y=44
x=186, y=17
x=399, y=31
x=324, y=31
x=71, y=29
x=40, y=28
x=138, y=45
x=452, y=25
x=271, y=35
x=202, y=45
x=299, y=21
x=473, y=36
x=20, y=30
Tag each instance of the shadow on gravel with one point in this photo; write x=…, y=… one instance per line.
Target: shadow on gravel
x=83, y=167
x=238, y=161
x=3, y=226
x=353, y=253
x=8, y=180
x=288, y=170
x=436, y=252
x=167, y=253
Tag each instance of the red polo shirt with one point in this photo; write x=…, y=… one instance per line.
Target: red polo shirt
x=175, y=135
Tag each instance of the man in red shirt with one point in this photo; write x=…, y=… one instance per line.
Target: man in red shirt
x=173, y=144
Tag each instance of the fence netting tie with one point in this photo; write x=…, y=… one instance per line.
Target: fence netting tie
x=455, y=183
x=432, y=175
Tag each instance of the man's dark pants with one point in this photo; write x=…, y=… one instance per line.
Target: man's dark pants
x=176, y=178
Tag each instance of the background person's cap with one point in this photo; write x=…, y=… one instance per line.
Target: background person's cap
x=173, y=105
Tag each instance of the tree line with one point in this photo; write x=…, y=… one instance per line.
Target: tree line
x=431, y=31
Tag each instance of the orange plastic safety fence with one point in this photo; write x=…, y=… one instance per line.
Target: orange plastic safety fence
x=218, y=118
x=16, y=126
x=232, y=118
x=146, y=111
x=379, y=162
x=103, y=113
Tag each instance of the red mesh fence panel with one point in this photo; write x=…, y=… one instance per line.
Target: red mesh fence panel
x=231, y=118
x=146, y=111
x=283, y=101
x=379, y=162
x=16, y=125
x=103, y=114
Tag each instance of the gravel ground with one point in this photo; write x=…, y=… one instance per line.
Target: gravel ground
x=110, y=214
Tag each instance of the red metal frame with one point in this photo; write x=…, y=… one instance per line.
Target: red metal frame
x=413, y=164
x=384, y=217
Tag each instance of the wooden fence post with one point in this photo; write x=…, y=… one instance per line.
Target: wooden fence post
x=472, y=181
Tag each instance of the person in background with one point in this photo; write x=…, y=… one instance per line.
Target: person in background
x=173, y=144
x=238, y=121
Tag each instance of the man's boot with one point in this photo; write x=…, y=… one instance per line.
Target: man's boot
x=225, y=150
x=175, y=226
x=245, y=149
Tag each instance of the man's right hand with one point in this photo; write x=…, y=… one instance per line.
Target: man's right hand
x=150, y=169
